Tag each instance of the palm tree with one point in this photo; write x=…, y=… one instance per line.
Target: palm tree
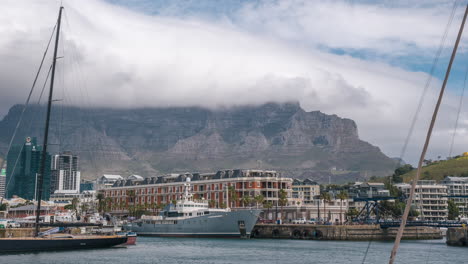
x=131, y=195
x=343, y=195
x=100, y=197
x=107, y=204
x=282, y=200
x=233, y=197
x=212, y=203
x=267, y=205
x=259, y=199
x=326, y=198
x=245, y=200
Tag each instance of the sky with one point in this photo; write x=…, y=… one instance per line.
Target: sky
x=364, y=60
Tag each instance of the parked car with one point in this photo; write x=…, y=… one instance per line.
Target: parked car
x=311, y=221
x=12, y=224
x=299, y=221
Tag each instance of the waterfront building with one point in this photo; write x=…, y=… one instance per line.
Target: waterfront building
x=65, y=174
x=368, y=190
x=429, y=200
x=319, y=210
x=21, y=173
x=458, y=186
x=304, y=191
x=107, y=180
x=209, y=186
x=2, y=182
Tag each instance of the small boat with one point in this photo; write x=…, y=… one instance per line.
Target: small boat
x=131, y=238
x=193, y=218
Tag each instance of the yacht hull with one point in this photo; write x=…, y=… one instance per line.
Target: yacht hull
x=24, y=244
x=233, y=224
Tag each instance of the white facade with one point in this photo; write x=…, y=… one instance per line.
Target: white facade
x=458, y=186
x=65, y=176
x=107, y=180
x=430, y=199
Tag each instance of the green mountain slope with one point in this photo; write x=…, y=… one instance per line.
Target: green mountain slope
x=439, y=169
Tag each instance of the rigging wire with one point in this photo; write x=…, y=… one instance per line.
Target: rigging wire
x=427, y=84
x=427, y=140
x=422, y=97
x=460, y=104
x=26, y=106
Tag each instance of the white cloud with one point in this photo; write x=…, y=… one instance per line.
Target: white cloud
x=118, y=58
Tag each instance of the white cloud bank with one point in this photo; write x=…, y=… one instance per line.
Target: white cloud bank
x=118, y=58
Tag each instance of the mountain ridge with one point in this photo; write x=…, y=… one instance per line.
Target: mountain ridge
x=150, y=141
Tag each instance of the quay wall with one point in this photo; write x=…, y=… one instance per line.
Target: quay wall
x=341, y=232
x=457, y=236
x=18, y=232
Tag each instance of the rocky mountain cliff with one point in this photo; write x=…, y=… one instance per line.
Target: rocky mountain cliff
x=150, y=141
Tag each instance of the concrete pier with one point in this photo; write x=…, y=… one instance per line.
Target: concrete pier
x=342, y=232
x=457, y=236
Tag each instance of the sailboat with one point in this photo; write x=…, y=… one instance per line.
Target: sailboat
x=46, y=241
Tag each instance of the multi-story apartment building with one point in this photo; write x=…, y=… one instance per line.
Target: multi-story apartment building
x=304, y=191
x=458, y=186
x=430, y=199
x=65, y=176
x=209, y=186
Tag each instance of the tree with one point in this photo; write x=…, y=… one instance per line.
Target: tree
x=352, y=213
x=3, y=207
x=397, y=175
x=246, y=200
x=453, y=210
x=267, y=205
x=326, y=198
x=107, y=204
x=282, y=200
x=233, y=197
x=131, y=195
x=223, y=205
x=259, y=199
x=100, y=197
x=211, y=203
x=74, y=204
x=343, y=195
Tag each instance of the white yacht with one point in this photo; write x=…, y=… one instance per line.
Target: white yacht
x=193, y=218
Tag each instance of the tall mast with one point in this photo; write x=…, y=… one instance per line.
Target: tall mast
x=40, y=179
x=426, y=144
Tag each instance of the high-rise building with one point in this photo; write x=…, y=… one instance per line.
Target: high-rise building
x=23, y=169
x=65, y=176
x=2, y=182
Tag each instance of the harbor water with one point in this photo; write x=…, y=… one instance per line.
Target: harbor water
x=268, y=251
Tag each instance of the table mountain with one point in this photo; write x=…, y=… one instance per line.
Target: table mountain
x=150, y=141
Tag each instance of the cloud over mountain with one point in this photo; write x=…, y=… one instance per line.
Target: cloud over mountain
x=264, y=52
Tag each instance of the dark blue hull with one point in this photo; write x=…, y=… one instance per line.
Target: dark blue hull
x=52, y=244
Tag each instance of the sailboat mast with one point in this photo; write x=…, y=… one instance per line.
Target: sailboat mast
x=42, y=166
x=426, y=144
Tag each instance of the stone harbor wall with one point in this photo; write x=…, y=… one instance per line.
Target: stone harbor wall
x=341, y=232
x=457, y=236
